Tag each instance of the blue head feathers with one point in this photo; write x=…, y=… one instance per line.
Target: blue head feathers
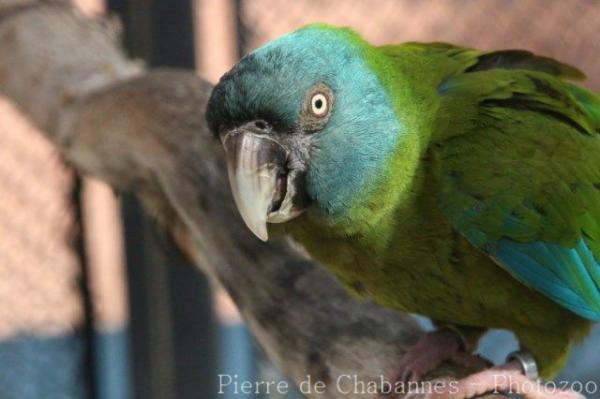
x=351, y=150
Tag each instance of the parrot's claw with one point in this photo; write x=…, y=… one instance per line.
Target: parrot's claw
x=508, y=378
x=430, y=351
x=433, y=349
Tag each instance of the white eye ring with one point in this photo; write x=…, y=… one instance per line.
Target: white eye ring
x=319, y=104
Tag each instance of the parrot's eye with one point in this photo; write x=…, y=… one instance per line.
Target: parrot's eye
x=317, y=108
x=319, y=105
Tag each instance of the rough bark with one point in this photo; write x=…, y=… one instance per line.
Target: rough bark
x=145, y=132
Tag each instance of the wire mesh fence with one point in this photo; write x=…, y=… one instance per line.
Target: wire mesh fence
x=39, y=268
x=40, y=300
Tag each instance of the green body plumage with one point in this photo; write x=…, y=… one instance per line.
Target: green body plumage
x=498, y=155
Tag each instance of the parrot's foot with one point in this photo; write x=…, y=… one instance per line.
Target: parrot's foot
x=507, y=379
x=433, y=349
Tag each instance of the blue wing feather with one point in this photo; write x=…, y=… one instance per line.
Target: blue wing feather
x=566, y=275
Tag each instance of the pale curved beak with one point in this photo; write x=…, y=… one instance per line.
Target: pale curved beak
x=258, y=178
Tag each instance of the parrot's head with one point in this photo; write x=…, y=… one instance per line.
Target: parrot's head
x=305, y=122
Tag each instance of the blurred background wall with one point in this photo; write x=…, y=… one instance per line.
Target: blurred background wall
x=75, y=319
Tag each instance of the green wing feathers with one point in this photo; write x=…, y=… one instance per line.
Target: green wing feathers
x=516, y=152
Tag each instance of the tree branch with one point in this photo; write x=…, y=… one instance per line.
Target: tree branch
x=145, y=132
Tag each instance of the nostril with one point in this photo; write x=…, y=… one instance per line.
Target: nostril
x=262, y=125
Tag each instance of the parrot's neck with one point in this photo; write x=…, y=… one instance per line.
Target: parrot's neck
x=389, y=226
x=386, y=206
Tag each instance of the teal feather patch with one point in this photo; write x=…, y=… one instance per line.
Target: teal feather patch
x=569, y=276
